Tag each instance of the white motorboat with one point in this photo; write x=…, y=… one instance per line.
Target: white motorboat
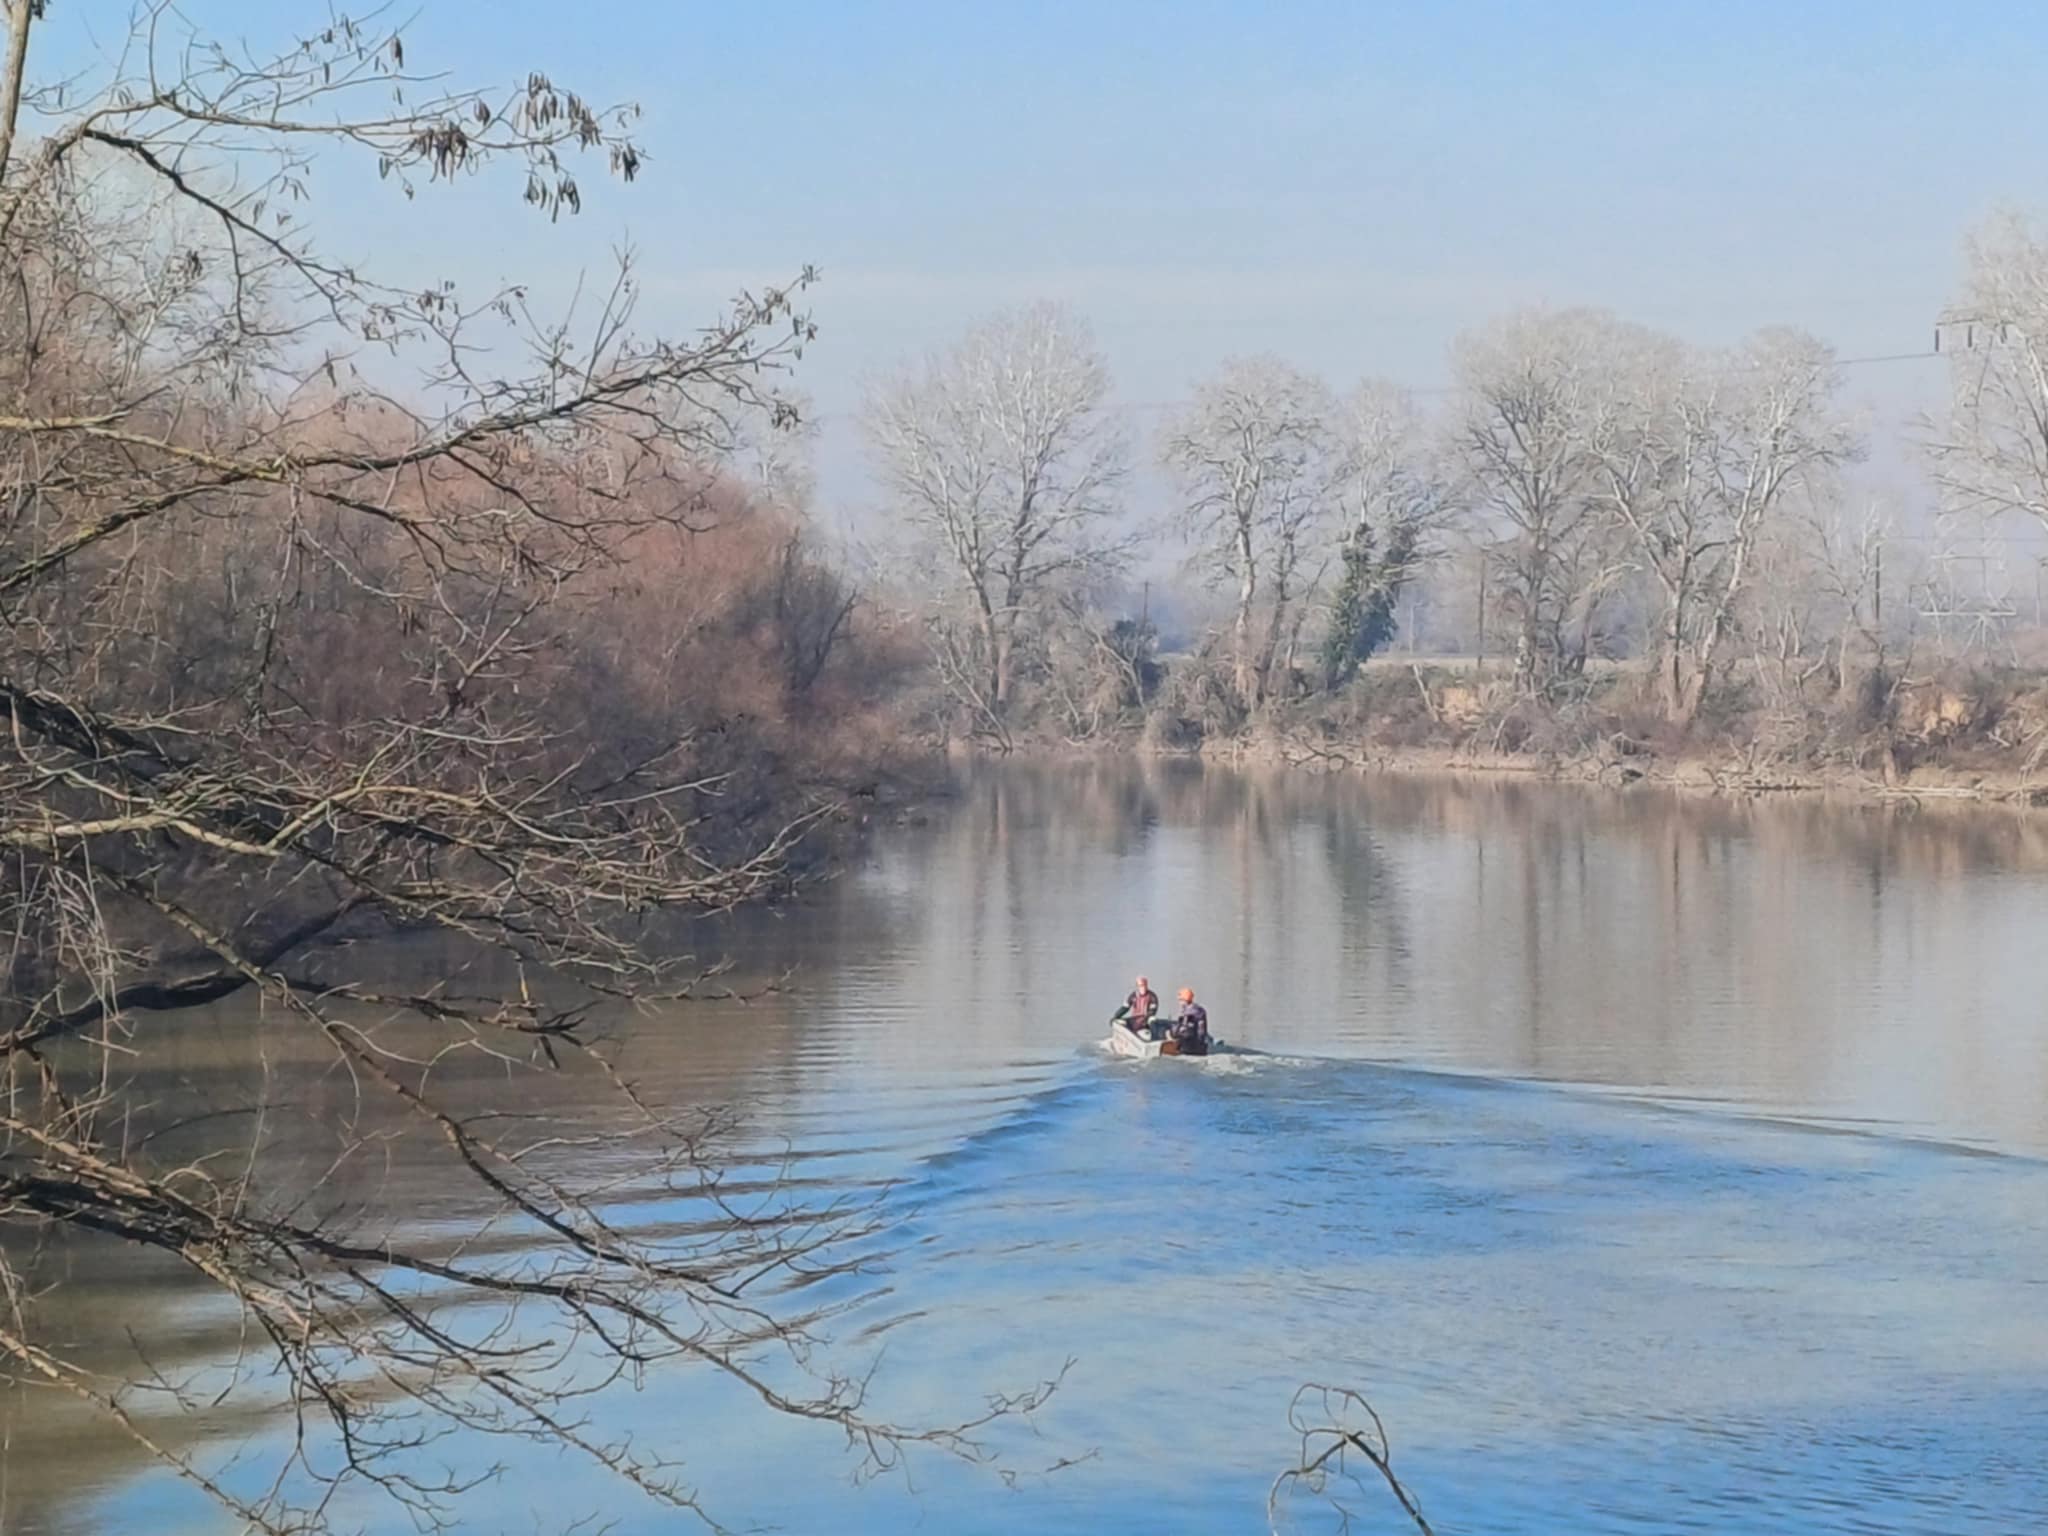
x=1124, y=1041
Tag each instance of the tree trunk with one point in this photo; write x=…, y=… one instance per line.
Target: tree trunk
x=1269, y=648
x=1535, y=570
x=993, y=638
x=1014, y=595
x=19, y=15
x=1690, y=697
x=1674, y=666
x=1704, y=655
x=1247, y=589
x=1526, y=645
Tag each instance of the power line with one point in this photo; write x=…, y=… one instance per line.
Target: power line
x=1887, y=357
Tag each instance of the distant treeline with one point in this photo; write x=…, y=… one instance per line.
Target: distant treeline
x=1644, y=537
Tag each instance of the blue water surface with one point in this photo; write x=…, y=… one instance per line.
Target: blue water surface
x=1649, y=1170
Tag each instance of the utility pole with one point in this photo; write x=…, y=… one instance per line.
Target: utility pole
x=1479, y=662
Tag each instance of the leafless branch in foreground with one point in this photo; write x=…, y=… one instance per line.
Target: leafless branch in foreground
x=305, y=584
x=1337, y=1426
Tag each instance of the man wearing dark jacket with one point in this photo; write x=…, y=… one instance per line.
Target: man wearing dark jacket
x=1139, y=1010
x=1191, y=1030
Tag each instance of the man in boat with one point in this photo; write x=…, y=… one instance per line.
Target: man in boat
x=1190, y=1031
x=1139, y=1010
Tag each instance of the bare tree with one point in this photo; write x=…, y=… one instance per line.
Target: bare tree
x=1255, y=458
x=808, y=609
x=1847, y=572
x=1696, y=454
x=1099, y=672
x=776, y=452
x=1990, y=454
x=1519, y=441
x=286, y=556
x=1394, y=502
x=1003, y=461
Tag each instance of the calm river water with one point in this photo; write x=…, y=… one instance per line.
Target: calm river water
x=1653, y=1164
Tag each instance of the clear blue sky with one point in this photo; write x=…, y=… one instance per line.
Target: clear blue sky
x=1346, y=184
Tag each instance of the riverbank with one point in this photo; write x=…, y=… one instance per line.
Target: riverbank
x=1976, y=734
x=1697, y=775
x=1726, y=774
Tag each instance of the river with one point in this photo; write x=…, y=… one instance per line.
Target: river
x=1653, y=1164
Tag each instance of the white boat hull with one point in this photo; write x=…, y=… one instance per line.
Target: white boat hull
x=1125, y=1042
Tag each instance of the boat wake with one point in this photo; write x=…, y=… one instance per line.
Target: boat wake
x=1223, y=1057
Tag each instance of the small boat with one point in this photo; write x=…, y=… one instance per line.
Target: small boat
x=1125, y=1041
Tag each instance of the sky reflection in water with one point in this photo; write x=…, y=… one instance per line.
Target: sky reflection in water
x=1766, y=1251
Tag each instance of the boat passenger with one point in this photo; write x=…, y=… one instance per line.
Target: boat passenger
x=1190, y=1030
x=1139, y=1011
